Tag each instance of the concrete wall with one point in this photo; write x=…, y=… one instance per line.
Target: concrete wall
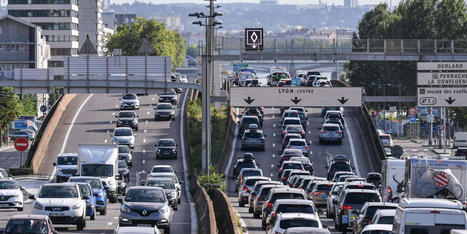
x=225, y=215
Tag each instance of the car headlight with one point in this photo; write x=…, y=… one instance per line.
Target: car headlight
x=125, y=209
x=100, y=194
x=158, y=150
x=173, y=150
x=38, y=206
x=59, y=169
x=173, y=194
x=164, y=210
x=76, y=206
x=16, y=195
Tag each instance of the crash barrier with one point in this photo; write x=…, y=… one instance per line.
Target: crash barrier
x=203, y=204
x=229, y=136
x=225, y=215
x=368, y=126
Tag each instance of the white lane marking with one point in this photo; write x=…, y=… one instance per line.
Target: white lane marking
x=272, y=165
x=65, y=141
x=105, y=141
x=116, y=106
x=143, y=162
x=147, y=121
x=116, y=217
x=145, y=130
x=153, y=99
x=352, y=149
x=109, y=223
x=113, y=113
x=310, y=143
x=108, y=131
x=273, y=144
x=144, y=151
x=144, y=140
x=274, y=125
x=273, y=155
x=271, y=175
x=7, y=148
x=273, y=116
x=110, y=122
x=274, y=134
x=194, y=217
x=309, y=132
x=149, y=112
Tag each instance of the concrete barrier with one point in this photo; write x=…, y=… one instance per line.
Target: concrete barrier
x=225, y=215
x=230, y=134
x=49, y=128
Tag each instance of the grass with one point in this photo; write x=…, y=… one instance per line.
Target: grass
x=237, y=219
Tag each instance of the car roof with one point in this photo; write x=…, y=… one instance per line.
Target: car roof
x=122, y=128
x=386, y=212
x=256, y=177
x=291, y=190
x=294, y=125
x=3, y=180
x=294, y=202
x=29, y=216
x=292, y=162
x=301, y=230
x=296, y=139
x=144, y=187
x=330, y=125
x=86, y=177
x=68, y=155
x=160, y=178
x=291, y=118
x=429, y=203
x=298, y=215
x=60, y=184
x=250, y=169
x=361, y=191
x=388, y=204
x=378, y=227
x=159, y=166
x=166, y=139
x=164, y=173
x=250, y=116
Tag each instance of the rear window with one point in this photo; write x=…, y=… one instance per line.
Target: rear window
x=361, y=198
x=245, y=165
x=253, y=134
x=330, y=128
x=287, y=196
x=295, y=208
x=297, y=143
x=292, y=166
x=334, y=115
x=291, y=121
x=370, y=211
x=385, y=137
x=324, y=187
x=251, y=182
x=341, y=166
x=251, y=173
x=247, y=121
x=361, y=186
x=290, y=223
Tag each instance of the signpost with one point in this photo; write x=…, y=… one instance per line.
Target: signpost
x=441, y=66
x=21, y=144
x=442, y=78
x=412, y=119
x=253, y=38
x=295, y=96
x=443, y=97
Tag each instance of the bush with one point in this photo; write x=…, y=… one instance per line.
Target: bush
x=213, y=181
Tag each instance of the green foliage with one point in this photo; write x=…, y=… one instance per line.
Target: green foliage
x=11, y=107
x=212, y=181
x=164, y=42
x=29, y=105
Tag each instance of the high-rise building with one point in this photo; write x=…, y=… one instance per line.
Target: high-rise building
x=125, y=18
x=59, y=22
x=91, y=24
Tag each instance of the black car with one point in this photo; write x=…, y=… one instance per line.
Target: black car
x=124, y=153
x=326, y=109
x=169, y=96
x=166, y=148
x=254, y=112
x=245, y=123
x=340, y=163
x=243, y=163
x=123, y=170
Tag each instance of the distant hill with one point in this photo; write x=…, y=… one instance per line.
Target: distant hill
x=240, y=15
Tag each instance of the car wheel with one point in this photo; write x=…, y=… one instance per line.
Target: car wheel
x=320, y=141
x=179, y=200
x=136, y=129
x=103, y=211
x=340, y=142
x=175, y=207
x=20, y=208
x=93, y=216
x=250, y=210
x=241, y=204
x=167, y=230
x=81, y=224
x=127, y=179
x=256, y=215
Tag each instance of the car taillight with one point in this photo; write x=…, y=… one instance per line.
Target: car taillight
x=245, y=188
x=329, y=194
x=322, y=131
x=316, y=193
x=240, y=179
x=285, y=133
x=306, y=147
x=339, y=131
x=303, y=132
x=283, y=178
x=274, y=214
x=253, y=195
x=288, y=147
x=258, y=198
x=269, y=205
x=346, y=207
x=281, y=170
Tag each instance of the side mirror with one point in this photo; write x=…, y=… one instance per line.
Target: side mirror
x=106, y=187
x=181, y=182
x=155, y=145
x=265, y=135
x=325, y=226
x=85, y=197
x=32, y=197
x=238, y=122
x=120, y=200
x=176, y=144
x=306, y=110
x=335, y=202
x=54, y=164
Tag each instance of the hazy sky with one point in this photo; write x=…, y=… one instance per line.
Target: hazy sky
x=329, y=2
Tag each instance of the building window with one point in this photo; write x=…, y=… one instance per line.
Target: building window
x=60, y=38
x=55, y=64
x=57, y=26
x=63, y=51
x=43, y=13
x=43, y=2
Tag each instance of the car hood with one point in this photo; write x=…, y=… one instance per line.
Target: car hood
x=57, y=201
x=8, y=192
x=164, y=111
x=126, y=119
x=123, y=170
x=145, y=205
x=68, y=167
x=129, y=101
x=123, y=138
x=166, y=147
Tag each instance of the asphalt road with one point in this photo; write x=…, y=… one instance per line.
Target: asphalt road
x=94, y=124
x=353, y=146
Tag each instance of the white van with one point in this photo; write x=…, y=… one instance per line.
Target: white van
x=428, y=216
x=460, y=139
x=392, y=174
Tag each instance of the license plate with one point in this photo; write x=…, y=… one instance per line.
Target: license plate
x=144, y=225
x=55, y=214
x=4, y=205
x=345, y=219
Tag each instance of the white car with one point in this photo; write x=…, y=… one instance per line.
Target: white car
x=140, y=230
x=10, y=195
x=377, y=228
x=129, y=101
x=384, y=217
x=63, y=203
x=290, y=220
x=124, y=136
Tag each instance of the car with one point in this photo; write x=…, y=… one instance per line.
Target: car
x=86, y=190
x=305, y=181
x=290, y=121
x=307, y=164
x=339, y=165
x=168, y=185
x=309, y=188
x=303, y=230
x=298, y=181
x=63, y=203
x=292, y=173
x=261, y=197
x=253, y=139
x=246, y=187
x=121, y=187
x=290, y=114
x=243, y=163
x=3, y=174
x=330, y=133
x=290, y=220
x=318, y=79
x=386, y=140
x=298, y=144
x=124, y=136
x=170, y=96
x=357, y=185
x=98, y=191
x=255, y=191
x=384, y=217
x=461, y=152
x=164, y=111
x=335, y=114
x=338, y=174
x=23, y=133
x=246, y=172
x=123, y=170
x=351, y=179
x=367, y=212
x=289, y=165
x=67, y=166
x=285, y=140
x=28, y=223
x=146, y=205
x=349, y=204
x=136, y=229
x=178, y=183
x=245, y=123
x=254, y=112
x=289, y=153
x=295, y=129
x=378, y=228
x=276, y=194
x=124, y=153
x=326, y=109
x=129, y=101
x=162, y=168
x=335, y=121
x=10, y=195
x=127, y=119
x=320, y=192
x=324, y=83
x=333, y=194
x=284, y=206
x=166, y=148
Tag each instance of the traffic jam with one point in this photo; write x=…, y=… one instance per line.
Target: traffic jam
x=410, y=195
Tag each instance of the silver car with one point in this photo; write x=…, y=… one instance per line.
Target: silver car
x=254, y=192
x=146, y=205
x=129, y=101
x=335, y=191
x=169, y=188
x=298, y=144
x=124, y=136
x=247, y=186
x=330, y=133
x=164, y=111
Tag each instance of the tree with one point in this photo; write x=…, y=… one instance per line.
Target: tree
x=11, y=108
x=164, y=42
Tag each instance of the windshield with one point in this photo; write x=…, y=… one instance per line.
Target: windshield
x=129, y=97
x=165, y=143
x=291, y=121
x=165, y=184
x=290, y=223
x=250, y=134
x=361, y=198
x=145, y=195
x=295, y=208
x=27, y=226
x=324, y=187
x=252, y=182
x=123, y=149
x=286, y=196
x=67, y=160
x=386, y=220
x=164, y=107
x=251, y=173
x=162, y=169
x=341, y=166
x=292, y=114
x=58, y=192
x=127, y=114
x=123, y=132
x=95, y=183
x=370, y=211
x=294, y=128
x=96, y=170
x=122, y=164
x=8, y=185
x=247, y=121
x=331, y=128
x=84, y=189
x=293, y=166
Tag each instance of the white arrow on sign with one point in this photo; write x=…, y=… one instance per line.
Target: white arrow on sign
x=295, y=96
x=444, y=97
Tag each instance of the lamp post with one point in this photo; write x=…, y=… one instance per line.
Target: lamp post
x=208, y=70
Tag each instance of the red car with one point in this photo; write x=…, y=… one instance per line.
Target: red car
x=40, y=224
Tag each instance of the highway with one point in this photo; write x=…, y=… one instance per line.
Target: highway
x=94, y=124
x=353, y=146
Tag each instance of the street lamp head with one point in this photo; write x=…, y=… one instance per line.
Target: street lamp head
x=198, y=22
x=220, y=27
x=218, y=14
x=217, y=22
x=196, y=14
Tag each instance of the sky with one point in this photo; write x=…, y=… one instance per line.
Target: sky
x=329, y=2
